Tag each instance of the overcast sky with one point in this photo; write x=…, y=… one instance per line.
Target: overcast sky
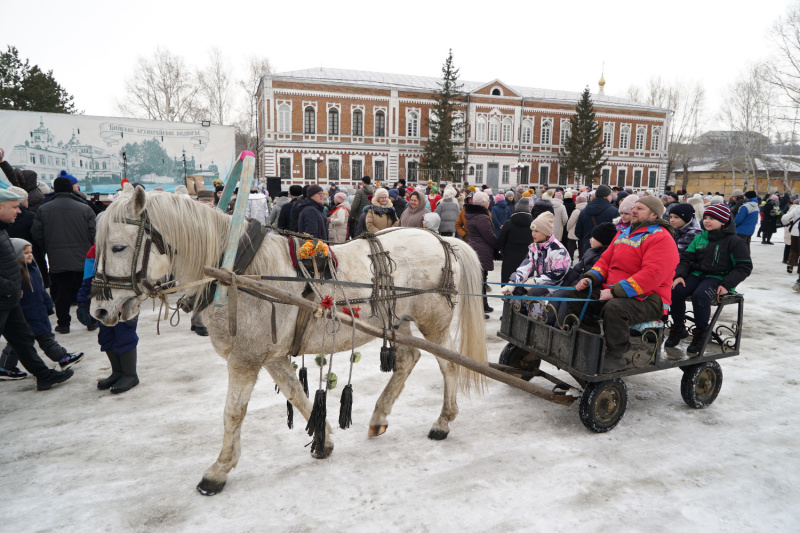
x=92, y=47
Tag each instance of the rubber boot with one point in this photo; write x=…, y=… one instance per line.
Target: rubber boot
x=116, y=371
x=129, y=378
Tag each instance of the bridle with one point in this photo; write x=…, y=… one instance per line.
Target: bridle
x=147, y=236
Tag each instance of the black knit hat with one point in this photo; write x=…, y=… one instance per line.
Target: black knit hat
x=366, y=179
x=750, y=194
x=312, y=190
x=296, y=190
x=684, y=211
x=62, y=185
x=604, y=233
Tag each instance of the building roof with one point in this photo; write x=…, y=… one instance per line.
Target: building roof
x=410, y=82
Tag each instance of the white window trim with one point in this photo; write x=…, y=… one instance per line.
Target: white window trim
x=485, y=129
x=284, y=155
x=539, y=176
x=316, y=118
x=328, y=160
x=608, y=127
x=280, y=103
x=499, y=127
x=655, y=146
x=354, y=158
x=564, y=126
x=624, y=181
x=621, y=132
x=497, y=87
x=507, y=121
x=316, y=166
x=643, y=178
x=385, y=167
x=610, y=175
x=530, y=123
x=544, y=122
x=418, y=113
x=636, y=146
x=458, y=118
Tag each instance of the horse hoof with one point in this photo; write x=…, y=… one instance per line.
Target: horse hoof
x=377, y=431
x=206, y=487
x=437, y=434
x=324, y=454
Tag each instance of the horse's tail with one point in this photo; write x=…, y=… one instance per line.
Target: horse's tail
x=471, y=337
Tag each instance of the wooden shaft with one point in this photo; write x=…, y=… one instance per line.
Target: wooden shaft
x=409, y=340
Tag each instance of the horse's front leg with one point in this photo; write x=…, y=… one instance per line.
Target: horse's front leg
x=241, y=379
x=407, y=358
x=441, y=428
x=282, y=371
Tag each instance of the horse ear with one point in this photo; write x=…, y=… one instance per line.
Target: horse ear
x=139, y=201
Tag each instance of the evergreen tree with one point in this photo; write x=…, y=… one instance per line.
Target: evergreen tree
x=440, y=151
x=583, y=154
x=27, y=88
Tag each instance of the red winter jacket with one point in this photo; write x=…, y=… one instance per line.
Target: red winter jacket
x=639, y=264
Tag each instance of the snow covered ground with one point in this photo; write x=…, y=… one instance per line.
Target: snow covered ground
x=78, y=459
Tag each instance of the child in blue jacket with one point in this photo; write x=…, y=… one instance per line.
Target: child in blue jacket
x=36, y=306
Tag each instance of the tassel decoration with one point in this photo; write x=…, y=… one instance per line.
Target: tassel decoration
x=289, y=414
x=346, y=408
x=304, y=380
x=316, y=422
x=388, y=359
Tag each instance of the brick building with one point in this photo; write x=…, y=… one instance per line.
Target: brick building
x=331, y=125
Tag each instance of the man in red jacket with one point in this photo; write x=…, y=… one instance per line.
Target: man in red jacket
x=631, y=281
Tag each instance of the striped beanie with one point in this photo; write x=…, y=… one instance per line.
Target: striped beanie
x=719, y=211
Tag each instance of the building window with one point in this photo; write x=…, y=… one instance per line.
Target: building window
x=285, y=168
x=412, y=171
x=563, y=173
x=547, y=131
x=494, y=130
x=621, y=178
x=284, y=118
x=637, y=179
x=380, y=124
x=497, y=92
x=479, y=173
x=358, y=123
x=605, y=176
x=544, y=175
x=333, y=121
x=624, y=137
x=458, y=126
x=527, y=131
x=651, y=180
x=507, y=130
x=310, y=122
x=310, y=169
x=333, y=169
x=655, y=140
x=565, y=130
x=641, y=133
x=506, y=174
x=356, y=169
x=608, y=136
x=33, y=160
x=480, y=129
x=380, y=170
x=523, y=175
x=412, y=129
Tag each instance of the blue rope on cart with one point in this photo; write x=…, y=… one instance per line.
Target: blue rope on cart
x=548, y=298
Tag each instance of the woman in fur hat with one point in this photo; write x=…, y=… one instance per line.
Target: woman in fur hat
x=381, y=215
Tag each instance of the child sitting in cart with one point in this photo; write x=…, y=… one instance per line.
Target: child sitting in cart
x=547, y=263
x=713, y=264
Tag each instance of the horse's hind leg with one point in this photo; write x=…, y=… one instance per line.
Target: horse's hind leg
x=241, y=379
x=282, y=371
x=441, y=427
x=407, y=358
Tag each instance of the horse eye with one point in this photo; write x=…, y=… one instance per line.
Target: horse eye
x=118, y=248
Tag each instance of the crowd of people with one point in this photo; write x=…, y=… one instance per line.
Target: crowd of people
x=637, y=256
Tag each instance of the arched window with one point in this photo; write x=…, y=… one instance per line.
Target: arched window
x=458, y=126
x=625, y=137
x=655, y=140
x=497, y=92
x=380, y=124
x=547, y=131
x=494, y=130
x=507, y=130
x=412, y=128
x=641, y=133
x=310, y=121
x=333, y=121
x=358, y=123
x=527, y=131
x=608, y=136
x=480, y=129
x=566, y=129
x=284, y=118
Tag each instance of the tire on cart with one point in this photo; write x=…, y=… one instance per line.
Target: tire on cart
x=602, y=404
x=514, y=356
x=701, y=383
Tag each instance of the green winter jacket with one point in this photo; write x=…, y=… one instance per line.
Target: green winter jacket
x=717, y=254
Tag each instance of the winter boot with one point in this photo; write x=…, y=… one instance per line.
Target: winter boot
x=116, y=371
x=614, y=361
x=676, y=334
x=129, y=378
x=697, y=341
x=53, y=378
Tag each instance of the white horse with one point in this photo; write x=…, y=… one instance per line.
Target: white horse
x=188, y=235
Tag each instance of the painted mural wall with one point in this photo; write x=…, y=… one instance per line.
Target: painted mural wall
x=100, y=151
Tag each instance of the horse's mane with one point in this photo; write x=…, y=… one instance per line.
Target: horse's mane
x=195, y=231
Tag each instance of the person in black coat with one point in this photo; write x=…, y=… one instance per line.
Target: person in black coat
x=310, y=216
x=596, y=212
x=770, y=213
x=285, y=218
x=515, y=238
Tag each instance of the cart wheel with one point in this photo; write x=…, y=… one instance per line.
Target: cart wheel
x=602, y=404
x=701, y=384
x=513, y=355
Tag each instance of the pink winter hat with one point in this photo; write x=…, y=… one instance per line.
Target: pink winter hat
x=499, y=198
x=627, y=204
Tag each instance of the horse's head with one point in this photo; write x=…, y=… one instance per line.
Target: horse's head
x=131, y=258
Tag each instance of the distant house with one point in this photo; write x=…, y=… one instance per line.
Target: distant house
x=721, y=174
